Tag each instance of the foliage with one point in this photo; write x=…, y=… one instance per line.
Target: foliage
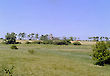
x=60, y=42
x=31, y=51
x=101, y=53
x=44, y=37
x=34, y=42
x=47, y=42
x=10, y=38
x=31, y=36
x=27, y=42
x=76, y=43
x=71, y=38
x=18, y=43
x=22, y=35
x=108, y=43
x=37, y=36
x=7, y=71
x=14, y=47
x=97, y=38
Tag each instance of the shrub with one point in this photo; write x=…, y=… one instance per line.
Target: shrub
x=47, y=42
x=76, y=43
x=39, y=42
x=108, y=43
x=18, y=43
x=60, y=42
x=7, y=71
x=31, y=51
x=14, y=47
x=28, y=42
x=101, y=54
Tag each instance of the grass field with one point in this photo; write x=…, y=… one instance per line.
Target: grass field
x=51, y=60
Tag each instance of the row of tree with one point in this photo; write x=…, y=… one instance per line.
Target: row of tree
x=97, y=38
x=36, y=36
x=10, y=38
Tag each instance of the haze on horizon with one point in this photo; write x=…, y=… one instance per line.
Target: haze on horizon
x=80, y=18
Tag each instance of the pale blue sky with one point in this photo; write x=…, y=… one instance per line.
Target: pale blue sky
x=80, y=18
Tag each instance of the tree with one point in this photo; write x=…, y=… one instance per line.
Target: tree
x=22, y=35
x=31, y=36
x=106, y=38
x=10, y=38
x=90, y=38
x=94, y=38
x=101, y=38
x=64, y=38
x=97, y=38
x=71, y=38
x=37, y=36
x=44, y=37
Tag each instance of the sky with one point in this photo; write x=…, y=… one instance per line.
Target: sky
x=77, y=18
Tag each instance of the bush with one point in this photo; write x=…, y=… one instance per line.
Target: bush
x=76, y=43
x=31, y=51
x=108, y=43
x=28, y=42
x=60, y=42
x=14, y=47
x=5, y=42
x=101, y=54
x=18, y=43
x=47, y=42
x=7, y=71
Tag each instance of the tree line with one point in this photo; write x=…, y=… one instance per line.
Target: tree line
x=36, y=36
x=10, y=38
x=97, y=38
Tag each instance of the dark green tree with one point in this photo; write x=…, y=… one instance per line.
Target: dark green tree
x=22, y=35
x=31, y=36
x=71, y=38
x=37, y=36
x=44, y=37
x=97, y=38
x=101, y=38
x=106, y=38
x=10, y=38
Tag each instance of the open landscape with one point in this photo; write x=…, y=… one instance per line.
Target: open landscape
x=54, y=38
x=51, y=60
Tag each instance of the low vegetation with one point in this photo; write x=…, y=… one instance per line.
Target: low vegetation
x=55, y=58
x=7, y=70
x=76, y=43
x=31, y=51
x=14, y=47
x=54, y=42
x=101, y=53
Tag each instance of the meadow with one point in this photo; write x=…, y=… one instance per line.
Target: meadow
x=50, y=60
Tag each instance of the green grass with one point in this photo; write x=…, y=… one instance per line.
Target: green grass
x=51, y=60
